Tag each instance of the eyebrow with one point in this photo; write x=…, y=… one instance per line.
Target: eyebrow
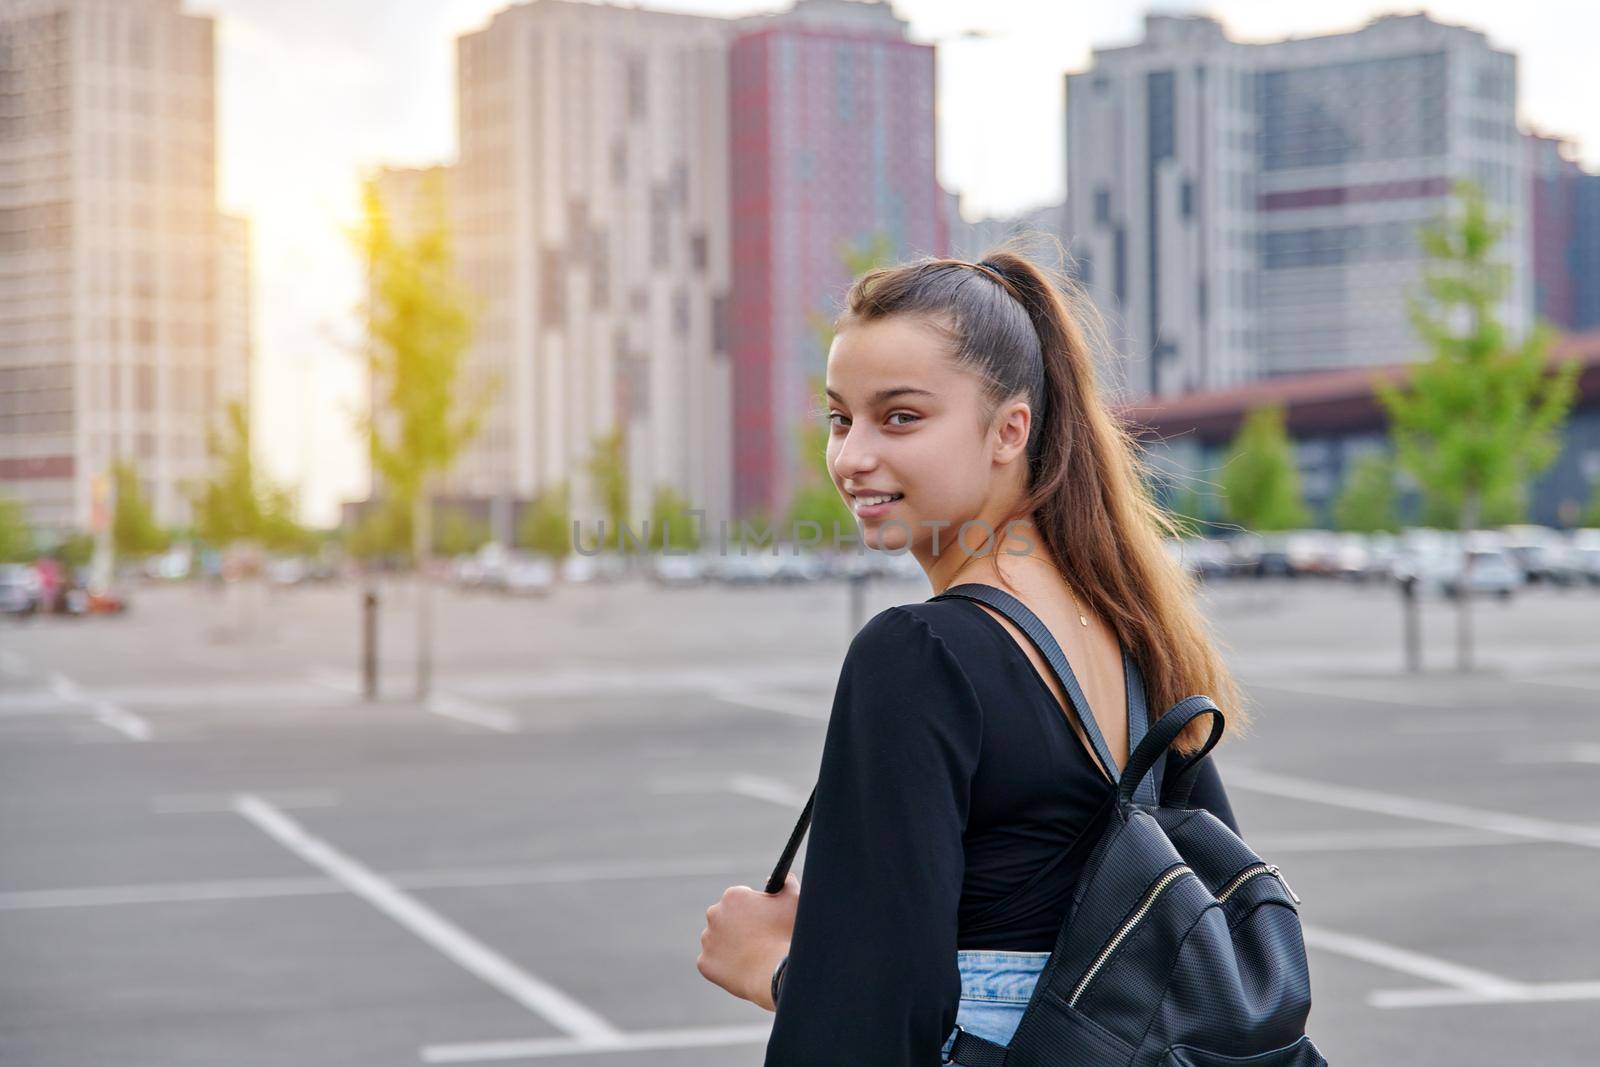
x=889, y=394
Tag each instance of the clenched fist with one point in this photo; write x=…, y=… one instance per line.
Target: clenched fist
x=747, y=932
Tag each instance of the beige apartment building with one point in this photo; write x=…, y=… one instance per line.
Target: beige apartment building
x=124, y=294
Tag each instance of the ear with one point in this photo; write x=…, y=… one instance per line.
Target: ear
x=1010, y=427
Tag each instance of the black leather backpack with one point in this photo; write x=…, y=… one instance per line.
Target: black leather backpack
x=1181, y=948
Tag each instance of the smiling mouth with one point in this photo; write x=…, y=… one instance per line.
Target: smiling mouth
x=870, y=503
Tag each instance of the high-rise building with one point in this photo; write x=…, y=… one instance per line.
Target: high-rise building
x=833, y=150
x=124, y=322
x=1553, y=177
x=1583, y=256
x=590, y=202
x=1245, y=211
x=653, y=210
x=970, y=240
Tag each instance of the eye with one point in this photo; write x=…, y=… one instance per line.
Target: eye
x=907, y=414
x=834, y=415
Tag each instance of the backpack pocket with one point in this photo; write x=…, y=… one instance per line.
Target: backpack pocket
x=1300, y=1054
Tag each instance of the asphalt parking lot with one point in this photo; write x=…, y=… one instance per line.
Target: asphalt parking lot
x=212, y=851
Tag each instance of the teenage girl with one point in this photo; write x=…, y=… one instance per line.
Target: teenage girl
x=953, y=782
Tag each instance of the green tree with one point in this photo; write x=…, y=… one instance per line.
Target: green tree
x=16, y=537
x=280, y=531
x=418, y=324
x=134, y=530
x=1367, y=500
x=608, y=478
x=1591, y=513
x=671, y=525
x=460, y=533
x=546, y=524
x=1478, y=420
x=1186, y=512
x=75, y=550
x=236, y=502
x=381, y=533
x=1260, y=482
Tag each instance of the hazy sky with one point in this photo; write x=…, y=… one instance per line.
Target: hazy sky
x=312, y=92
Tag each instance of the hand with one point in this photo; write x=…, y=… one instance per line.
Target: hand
x=747, y=932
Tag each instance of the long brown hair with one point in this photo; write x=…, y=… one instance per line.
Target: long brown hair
x=1025, y=332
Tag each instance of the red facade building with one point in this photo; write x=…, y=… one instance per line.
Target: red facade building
x=832, y=128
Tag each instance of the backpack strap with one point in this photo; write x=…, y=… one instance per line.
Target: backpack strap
x=970, y=1050
x=1148, y=788
x=1029, y=624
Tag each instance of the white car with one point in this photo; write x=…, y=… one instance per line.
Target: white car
x=529, y=576
x=1493, y=572
x=19, y=589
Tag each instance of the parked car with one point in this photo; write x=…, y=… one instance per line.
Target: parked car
x=287, y=570
x=753, y=566
x=1352, y=557
x=1244, y=554
x=1439, y=571
x=529, y=576
x=1541, y=554
x=1200, y=557
x=1273, y=559
x=1381, y=551
x=679, y=570
x=19, y=589
x=1492, y=572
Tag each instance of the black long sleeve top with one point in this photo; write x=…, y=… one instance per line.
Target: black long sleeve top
x=950, y=792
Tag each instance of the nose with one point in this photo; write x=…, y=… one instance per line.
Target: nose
x=856, y=455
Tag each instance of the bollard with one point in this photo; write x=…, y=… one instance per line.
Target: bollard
x=858, y=602
x=369, y=644
x=1413, y=622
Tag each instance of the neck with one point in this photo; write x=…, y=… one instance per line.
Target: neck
x=1014, y=552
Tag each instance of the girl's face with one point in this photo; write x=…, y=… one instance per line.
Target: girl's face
x=906, y=421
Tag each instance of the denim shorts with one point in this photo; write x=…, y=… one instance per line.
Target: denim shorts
x=995, y=989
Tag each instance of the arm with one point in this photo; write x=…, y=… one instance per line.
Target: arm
x=1208, y=792
x=871, y=979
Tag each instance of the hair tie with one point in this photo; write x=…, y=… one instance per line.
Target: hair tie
x=985, y=265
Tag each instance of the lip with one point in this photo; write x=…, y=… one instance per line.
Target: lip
x=871, y=511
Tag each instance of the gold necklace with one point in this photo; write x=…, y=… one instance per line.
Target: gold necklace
x=1082, y=618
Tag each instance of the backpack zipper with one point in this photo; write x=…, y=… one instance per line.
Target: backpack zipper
x=1125, y=929
x=1253, y=871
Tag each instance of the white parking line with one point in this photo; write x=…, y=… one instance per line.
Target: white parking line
x=539, y=997
x=462, y=878
x=24, y=705
x=1586, y=683
x=1457, y=984
x=641, y=1041
x=104, y=711
x=1343, y=691
x=1530, y=993
x=211, y=803
x=769, y=789
x=343, y=681
x=1461, y=724
x=450, y=706
x=1581, y=752
x=121, y=720
x=1459, y=978
x=784, y=705
x=1404, y=807
x=1406, y=838
x=100, y=896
